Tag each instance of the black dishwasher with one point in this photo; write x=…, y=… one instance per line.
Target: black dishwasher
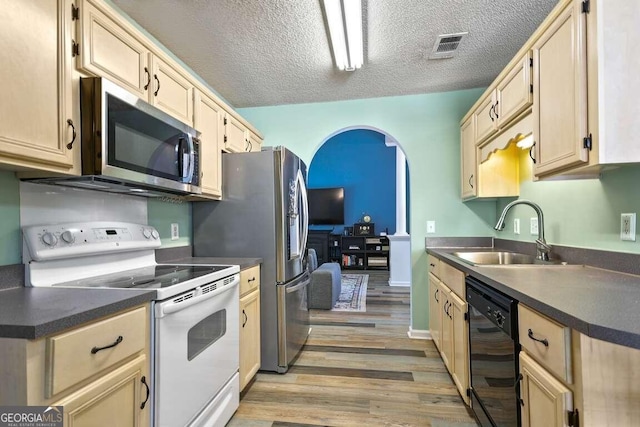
x=493, y=345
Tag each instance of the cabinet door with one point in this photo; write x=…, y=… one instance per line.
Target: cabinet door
x=485, y=119
x=235, y=135
x=114, y=399
x=446, y=334
x=468, y=149
x=209, y=120
x=255, y=142
x=460, y=354
x=435, y=310
x=35, y=77
x=172, y=92
x=108, y=50
x=249, y=337
x=545, y=400
x=513, y=94
x=560, y=93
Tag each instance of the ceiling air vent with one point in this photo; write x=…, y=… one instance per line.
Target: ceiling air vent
x=446, y=45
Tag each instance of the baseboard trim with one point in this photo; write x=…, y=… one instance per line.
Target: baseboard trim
x=419, y=334
x=396, y=283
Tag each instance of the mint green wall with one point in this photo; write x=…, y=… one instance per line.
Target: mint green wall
x=427, y=127
x=581, y=213
x=11, y=246
x=162, y=214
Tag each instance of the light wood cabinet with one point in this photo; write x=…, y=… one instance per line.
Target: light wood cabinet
x=545, y=401
x=209, y=120
x=255, y=142
x=39, y=110
x=560, y=93
x=113, y=399
x=435, y=310
x=110, y=386
x=514, y=93
x=448, y=322
x=249, y=324
x=235, y=140
x=110, y=50
x=485, y=118
x=171, y=91
x=468, y=149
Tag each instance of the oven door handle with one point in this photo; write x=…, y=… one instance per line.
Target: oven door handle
x=168, y=307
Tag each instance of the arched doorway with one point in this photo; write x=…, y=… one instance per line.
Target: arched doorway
x=371, y=165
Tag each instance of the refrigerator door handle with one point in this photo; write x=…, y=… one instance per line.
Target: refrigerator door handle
x=305, y=205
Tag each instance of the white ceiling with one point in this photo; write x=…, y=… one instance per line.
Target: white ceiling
x=271, y=52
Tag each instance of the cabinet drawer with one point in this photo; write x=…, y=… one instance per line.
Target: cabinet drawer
x=249, y=279
x=453, y=278
x=434, y=265
x=547, y=341
x=70, y=358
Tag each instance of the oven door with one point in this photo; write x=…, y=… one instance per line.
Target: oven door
x=196, y=351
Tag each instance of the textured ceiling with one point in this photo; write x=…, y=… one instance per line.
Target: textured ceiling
x=270, y=52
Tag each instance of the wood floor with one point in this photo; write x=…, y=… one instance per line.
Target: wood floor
x=359, y=369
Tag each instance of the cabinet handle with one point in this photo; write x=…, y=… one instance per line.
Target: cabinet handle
x=446, y=307
x=146, y=70
x=530, y=155
x=73, y=137
x=490, y=112
x=244, y=322
x=252, y=279
x=545, y=342
x=155, y=76
x=118, y=340
x=470, y=184
x=432, y=265
x=495, y=109
x=143, y=380
x=435, y=295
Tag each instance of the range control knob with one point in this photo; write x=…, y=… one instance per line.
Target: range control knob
x=68, y=237
x=155, y=234
x=146, y=233
x=499, y=318
x=49, y=239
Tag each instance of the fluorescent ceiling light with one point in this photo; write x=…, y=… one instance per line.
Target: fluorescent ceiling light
x=344, y=18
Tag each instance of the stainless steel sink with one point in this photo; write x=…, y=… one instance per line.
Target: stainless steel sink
x=501, y=258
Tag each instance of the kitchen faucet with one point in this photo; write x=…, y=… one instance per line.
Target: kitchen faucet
x=542, y=248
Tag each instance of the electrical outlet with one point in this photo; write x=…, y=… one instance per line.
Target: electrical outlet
x=175, y=231
x=628, y=227
x=431, y=227
x=516, y=226
x=534, y=226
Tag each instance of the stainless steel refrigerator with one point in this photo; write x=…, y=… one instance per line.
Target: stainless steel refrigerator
x=264, y=214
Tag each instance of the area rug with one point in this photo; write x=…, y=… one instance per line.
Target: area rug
x=353, y=296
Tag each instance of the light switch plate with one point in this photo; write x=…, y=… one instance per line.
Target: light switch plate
x=175, y=231
x=534, y=226
x=431, y=227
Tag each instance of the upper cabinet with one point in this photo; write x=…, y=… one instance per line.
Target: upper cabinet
x=560, y=92
x=468, y=149
x=39, y=113
x=239, y=138
x=110, y=51
x=255, y=142
x=209, y=121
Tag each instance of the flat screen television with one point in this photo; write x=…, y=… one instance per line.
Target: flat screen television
x=326, y=206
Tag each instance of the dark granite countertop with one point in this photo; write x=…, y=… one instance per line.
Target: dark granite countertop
x=36, y=312
x=244, y=263
x=602, y=304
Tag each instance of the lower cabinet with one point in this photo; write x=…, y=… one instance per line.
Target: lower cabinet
x=249, y=324
x=113, y=399
x=545, y=401
x=448, y=324
x=99, y=372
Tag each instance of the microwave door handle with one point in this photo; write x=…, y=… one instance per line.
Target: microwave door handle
x=191, y=158
x=180, y=157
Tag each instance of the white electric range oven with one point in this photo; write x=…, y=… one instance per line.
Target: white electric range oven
x=195, y=315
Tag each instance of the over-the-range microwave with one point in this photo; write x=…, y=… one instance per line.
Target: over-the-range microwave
x=130, y=146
